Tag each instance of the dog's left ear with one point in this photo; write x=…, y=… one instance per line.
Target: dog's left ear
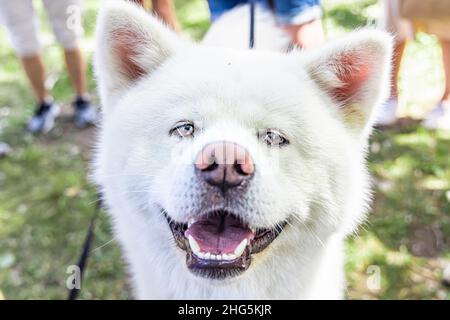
x=354, y=73
x=130, y=44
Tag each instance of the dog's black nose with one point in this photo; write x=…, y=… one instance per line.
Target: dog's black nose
x=224, y=164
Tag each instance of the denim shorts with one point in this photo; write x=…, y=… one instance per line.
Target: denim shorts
x=287, y=12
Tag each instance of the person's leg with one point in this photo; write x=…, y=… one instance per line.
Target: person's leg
x=35, y=71
x=165, y=9
x=388, y=113
x=22, y=24
x=302, y=21
x=65, y=18
x=85, y=113
x=46, y=111
x=307, y=35
x=76, y=67
x=439, y=117
x=399, y=48
x=446, y=61
x=401, y=30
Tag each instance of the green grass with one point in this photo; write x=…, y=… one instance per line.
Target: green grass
x=46, y=200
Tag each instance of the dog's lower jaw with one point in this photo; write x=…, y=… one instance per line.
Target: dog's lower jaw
x=316, y=274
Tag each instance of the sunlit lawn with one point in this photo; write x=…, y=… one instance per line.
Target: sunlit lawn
x=46, y=201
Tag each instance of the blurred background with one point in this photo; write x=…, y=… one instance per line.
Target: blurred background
x=47, y=201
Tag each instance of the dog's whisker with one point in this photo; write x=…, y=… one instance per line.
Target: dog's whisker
x=305, y=225
x=104, y=245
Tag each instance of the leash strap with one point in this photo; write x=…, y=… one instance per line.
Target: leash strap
x=252, y=24
x=82, y=261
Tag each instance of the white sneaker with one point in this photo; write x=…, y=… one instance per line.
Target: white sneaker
x=388, y=113
x=44, y=118
x=438, y=118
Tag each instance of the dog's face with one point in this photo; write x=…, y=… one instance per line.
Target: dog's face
x=231, y=154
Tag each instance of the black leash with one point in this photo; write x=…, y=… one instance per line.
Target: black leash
x=82, y=261
x=252, y=24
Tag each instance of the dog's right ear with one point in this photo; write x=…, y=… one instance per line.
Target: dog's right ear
x=130, y=44
x=354, y=73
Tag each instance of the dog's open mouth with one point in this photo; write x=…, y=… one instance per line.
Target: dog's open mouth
x=219, y=244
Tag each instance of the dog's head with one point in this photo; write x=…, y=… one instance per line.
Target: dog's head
x=226, y=153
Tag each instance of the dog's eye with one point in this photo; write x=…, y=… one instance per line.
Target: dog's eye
x=183, y=129
x=273, y=138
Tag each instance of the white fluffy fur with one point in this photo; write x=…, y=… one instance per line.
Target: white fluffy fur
x=319, y=181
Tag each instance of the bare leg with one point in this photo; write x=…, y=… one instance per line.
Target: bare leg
x=399, y=48
x=35, y=70
x=44, y=118
x=165, y=9
x=446, y=61
x=307, y=35
x=85, y=114
x=77, y=70
x=439, y=117
x=388, y=113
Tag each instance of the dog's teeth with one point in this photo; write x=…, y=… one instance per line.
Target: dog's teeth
x=190, y=222
x=194, y=245
x=231, y=256
x=201, y=255
x=219, y=257
x=240, y=248
x=226, y=257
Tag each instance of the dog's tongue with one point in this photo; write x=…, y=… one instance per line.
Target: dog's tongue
x=219, y=234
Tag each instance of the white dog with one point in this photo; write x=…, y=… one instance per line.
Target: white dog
x=233, y=173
